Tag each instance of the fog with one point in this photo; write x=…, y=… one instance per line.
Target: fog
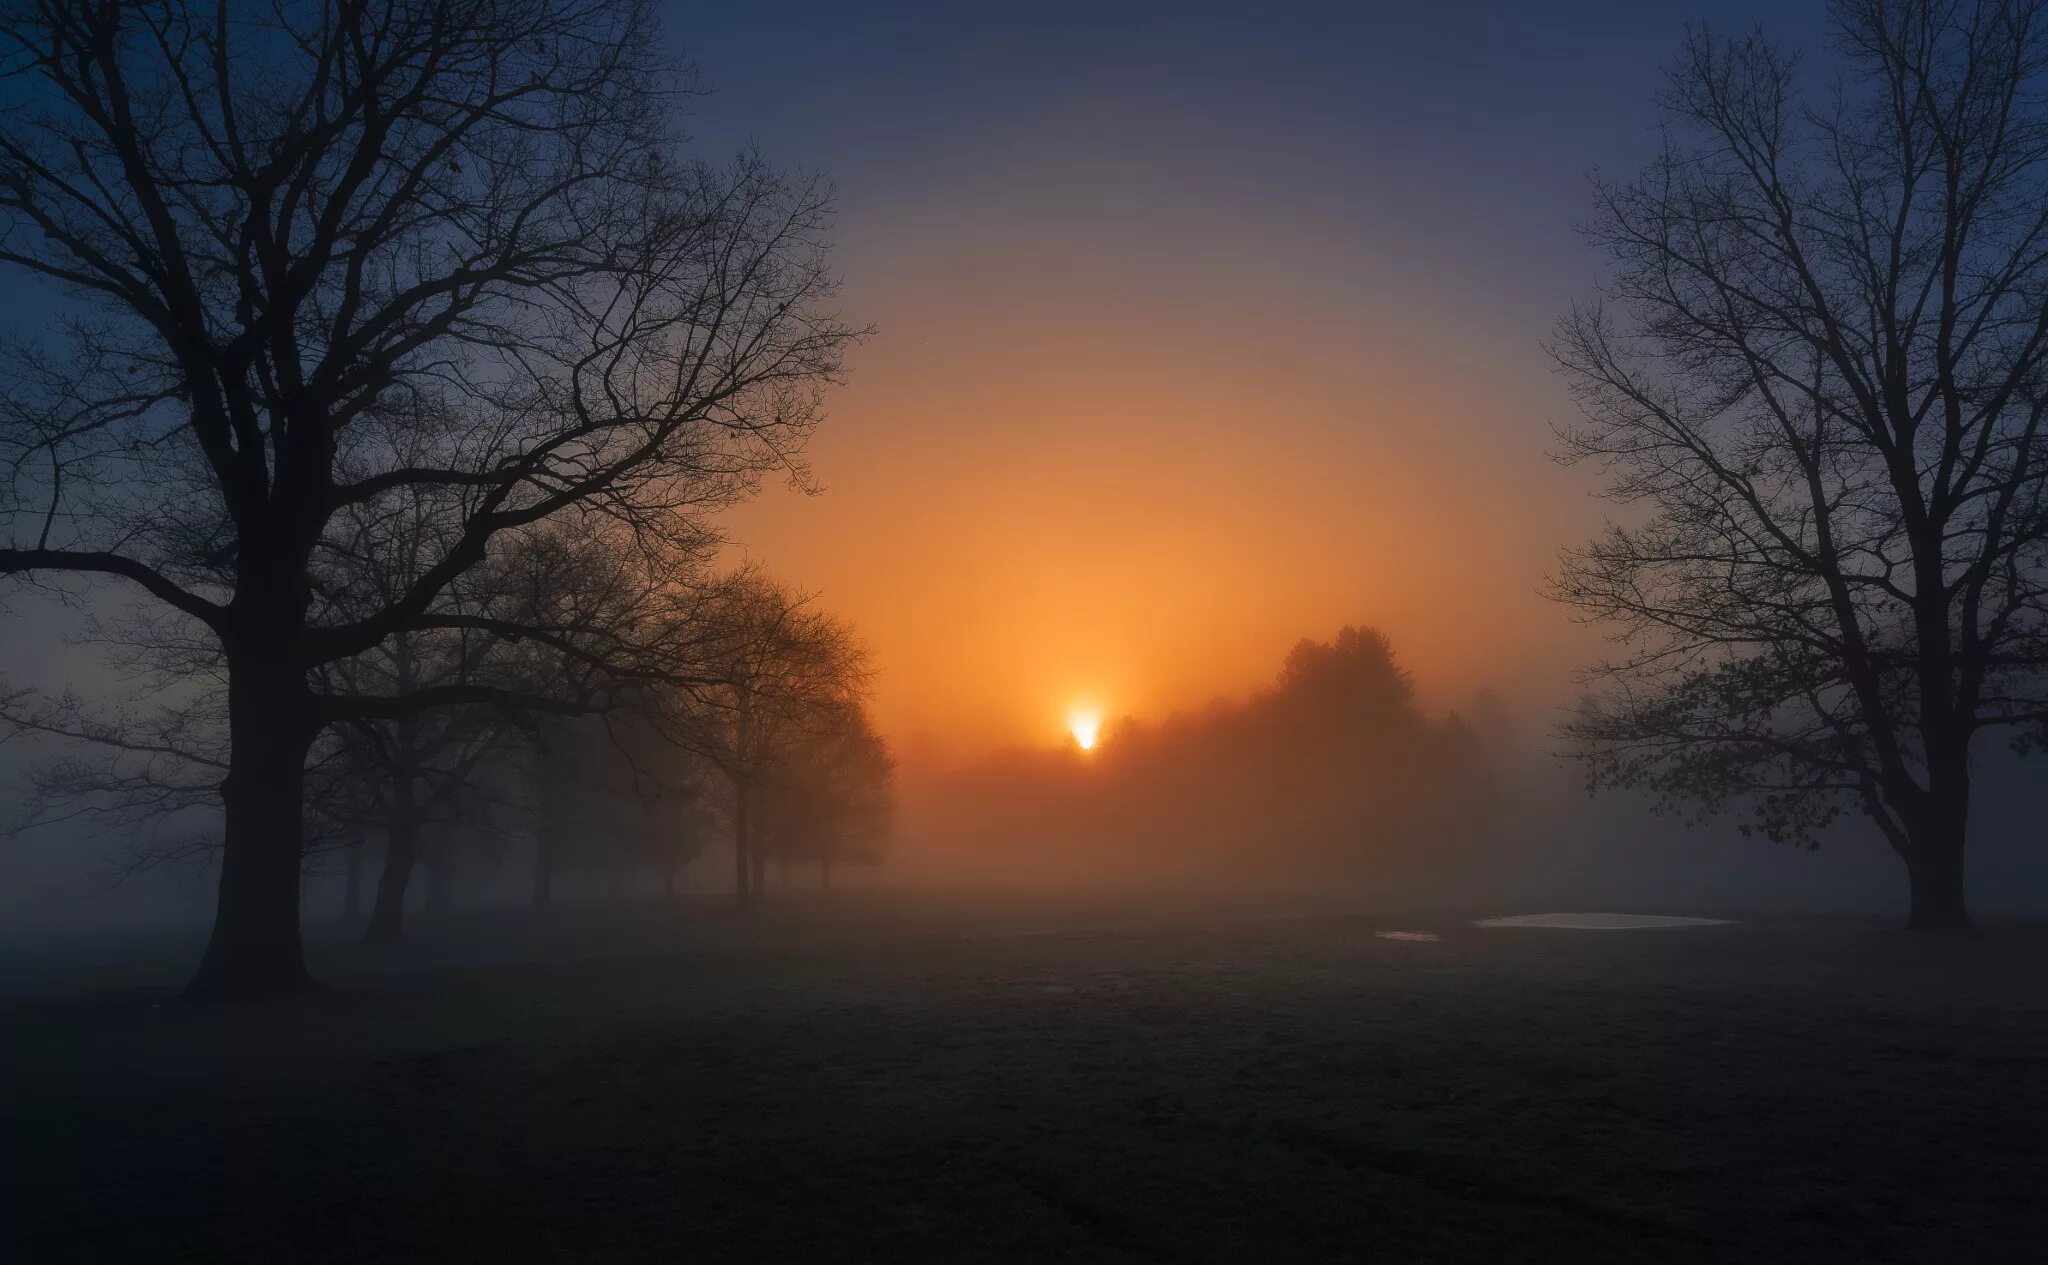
x=1104, y=632
x=1292, y=936
x=1204, y=804
x=1334, y=787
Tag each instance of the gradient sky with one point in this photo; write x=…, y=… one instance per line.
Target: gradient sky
x=1199, y=329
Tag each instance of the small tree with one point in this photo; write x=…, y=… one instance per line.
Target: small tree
x=1818, y=380
x=416, y=770
x=778, y=673
x=831, y=800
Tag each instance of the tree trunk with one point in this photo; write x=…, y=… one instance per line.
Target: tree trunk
x=1935, y=872
x=401, y=853
x=742, y=886
x=548, y=775
x=759, y=893
x=825, y=868
x=544, y=867
x=255, y=950
x=352, y=899
x=440, y=878
x=668, y=881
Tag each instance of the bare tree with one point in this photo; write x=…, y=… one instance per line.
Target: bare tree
x=416, y=769
x=831, y=800
x=782, y=672
x=146, y=775
x=323, y=258
x=610, y=793
x=549, y=622
x=1817, y=381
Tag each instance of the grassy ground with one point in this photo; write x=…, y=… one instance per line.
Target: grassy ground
x=889, y=1083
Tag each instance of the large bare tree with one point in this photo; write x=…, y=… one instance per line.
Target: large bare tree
x=315, y=259
x=1817, y=382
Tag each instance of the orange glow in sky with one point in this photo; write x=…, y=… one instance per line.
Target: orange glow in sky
x=1147, y=450
x=1085, y=726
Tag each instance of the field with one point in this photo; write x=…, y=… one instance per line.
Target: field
x=867, y=1079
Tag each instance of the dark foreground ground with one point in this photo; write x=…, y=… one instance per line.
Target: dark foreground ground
x=883, y=1083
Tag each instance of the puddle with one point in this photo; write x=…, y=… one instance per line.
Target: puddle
x=1408, y=935
x=1601, y=922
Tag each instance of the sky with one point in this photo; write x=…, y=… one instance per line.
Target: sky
x=1197, y=329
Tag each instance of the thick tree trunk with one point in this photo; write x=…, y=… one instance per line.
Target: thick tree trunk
x=1935, y=872
x=255, y=950
x=1935, y=838
x=668, y=881
x=401, y=854
x=1937, y=824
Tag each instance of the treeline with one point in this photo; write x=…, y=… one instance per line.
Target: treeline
x=1333, y=769
x=775, y=756
x=771, y=752
x=779, y=758
x=610, y=806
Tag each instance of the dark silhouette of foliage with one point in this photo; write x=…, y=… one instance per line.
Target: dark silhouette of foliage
x=1334, y=770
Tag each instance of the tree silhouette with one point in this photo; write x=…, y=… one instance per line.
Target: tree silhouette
x=1817, y=379
x=831, y=799
x=324, y=258
x=781, y=677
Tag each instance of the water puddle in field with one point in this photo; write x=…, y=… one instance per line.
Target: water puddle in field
x=1601, y=922
x=1419, y=936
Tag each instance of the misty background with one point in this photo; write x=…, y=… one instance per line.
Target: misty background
x=1280, y=368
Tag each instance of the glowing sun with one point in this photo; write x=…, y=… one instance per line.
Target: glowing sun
x=1086, y=728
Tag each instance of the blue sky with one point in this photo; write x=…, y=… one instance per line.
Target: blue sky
x=1456, y=129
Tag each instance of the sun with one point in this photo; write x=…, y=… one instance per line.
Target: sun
x=1086, y=728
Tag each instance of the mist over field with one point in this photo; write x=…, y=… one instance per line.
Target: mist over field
x=1334, y=787
x=1103, y=632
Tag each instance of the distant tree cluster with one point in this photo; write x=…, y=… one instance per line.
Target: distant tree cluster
x=1333, y=769
x=606, y=800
